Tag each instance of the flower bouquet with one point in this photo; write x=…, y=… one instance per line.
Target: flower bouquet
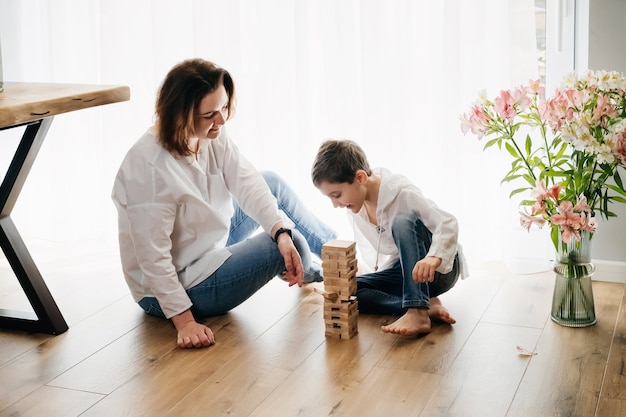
x=567, y=151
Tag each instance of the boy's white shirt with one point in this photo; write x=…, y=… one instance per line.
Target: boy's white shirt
x=397, y=195
x=174, y=215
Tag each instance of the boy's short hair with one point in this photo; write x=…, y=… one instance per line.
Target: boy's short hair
x=337, y=161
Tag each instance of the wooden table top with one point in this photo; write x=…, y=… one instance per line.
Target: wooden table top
x=26, y=102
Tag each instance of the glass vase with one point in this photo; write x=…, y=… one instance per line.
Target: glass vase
x=572, y=300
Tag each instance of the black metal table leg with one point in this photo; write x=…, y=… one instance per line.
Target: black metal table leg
x=47, y=318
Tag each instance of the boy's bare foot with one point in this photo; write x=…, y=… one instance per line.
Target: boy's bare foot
x=414, y=322
x=439, y=312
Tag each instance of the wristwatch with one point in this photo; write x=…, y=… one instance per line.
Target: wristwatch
x=280, y=231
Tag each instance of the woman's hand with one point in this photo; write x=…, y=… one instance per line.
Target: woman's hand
x=192, y=334
x=294, y=271
x=424, y=270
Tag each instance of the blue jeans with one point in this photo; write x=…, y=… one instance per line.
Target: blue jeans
x=255, y=259
x=314, y=231
x=392, y=291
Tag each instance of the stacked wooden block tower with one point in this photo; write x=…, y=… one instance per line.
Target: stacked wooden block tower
x=340, y=304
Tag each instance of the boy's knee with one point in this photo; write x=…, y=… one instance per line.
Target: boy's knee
x=407, y=225
x=403, y=222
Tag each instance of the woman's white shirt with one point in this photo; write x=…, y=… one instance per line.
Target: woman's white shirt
x=174, y=214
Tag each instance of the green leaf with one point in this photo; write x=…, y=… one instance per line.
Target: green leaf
x=618, y=179
x=616, y=189
x=509, y=179
x=512, y=150
x=554, y=235
x=490, y=143
x=517, y=191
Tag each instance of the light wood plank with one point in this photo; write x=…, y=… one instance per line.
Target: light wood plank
x=14, y=344
x=29, y=371
x=242, y=384
x=331, y=375
x=566, y=376
x=390, y=392
x=488, y=360
x=435, y=352
x=25, y=102
x=523, y=300
x=611, y=408
x=117, y=363
x=614, y=386
x=235, y=389
x=49, y=402
x=167, y=381
x=236, y=333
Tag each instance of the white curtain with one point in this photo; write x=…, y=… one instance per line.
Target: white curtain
x=393, y=75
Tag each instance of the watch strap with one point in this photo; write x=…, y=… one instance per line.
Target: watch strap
x=281, y=231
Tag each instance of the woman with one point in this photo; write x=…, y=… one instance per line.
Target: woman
x=188, y=204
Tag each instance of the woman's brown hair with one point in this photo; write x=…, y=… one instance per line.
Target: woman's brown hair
x=184, y=87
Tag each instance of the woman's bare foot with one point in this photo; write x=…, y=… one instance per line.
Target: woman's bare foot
x=414, y=322
x=439, y=312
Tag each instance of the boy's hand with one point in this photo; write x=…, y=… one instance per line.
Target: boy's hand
x=424, y=270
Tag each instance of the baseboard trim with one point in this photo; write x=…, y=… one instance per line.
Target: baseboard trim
x=609, y=271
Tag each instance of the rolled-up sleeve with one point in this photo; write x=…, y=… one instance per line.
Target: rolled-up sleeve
x=250, y=189
x=443, y=226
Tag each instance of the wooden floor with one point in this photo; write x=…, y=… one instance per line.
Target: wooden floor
x=272, y=358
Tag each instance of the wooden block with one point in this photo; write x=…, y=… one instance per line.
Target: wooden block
x=343, y=292
x=341, y=311
x=350, y=304
x=343, y=276
x=341, y=316
x=340, y=263
x=338, y=245
x=334, y=281
x=346, y=320
x=340, y=271
x=338, y=255
x=330, y=296
x=335, y=252
x=341, y=326
x=341, y=332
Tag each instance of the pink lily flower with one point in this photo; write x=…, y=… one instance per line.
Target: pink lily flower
x=554, y=192
x=538, y=208
x=527, y=220
x=535, y=87
x=604, y=109
x=581, y=204
x=477, y=121
x=576, y=98
x=620, y=147
x=567, y=233
x=520, y=99
x=504, y=106
x=588, y=223
x=539, y=192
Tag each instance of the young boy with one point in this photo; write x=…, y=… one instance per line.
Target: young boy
x=410, y=242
